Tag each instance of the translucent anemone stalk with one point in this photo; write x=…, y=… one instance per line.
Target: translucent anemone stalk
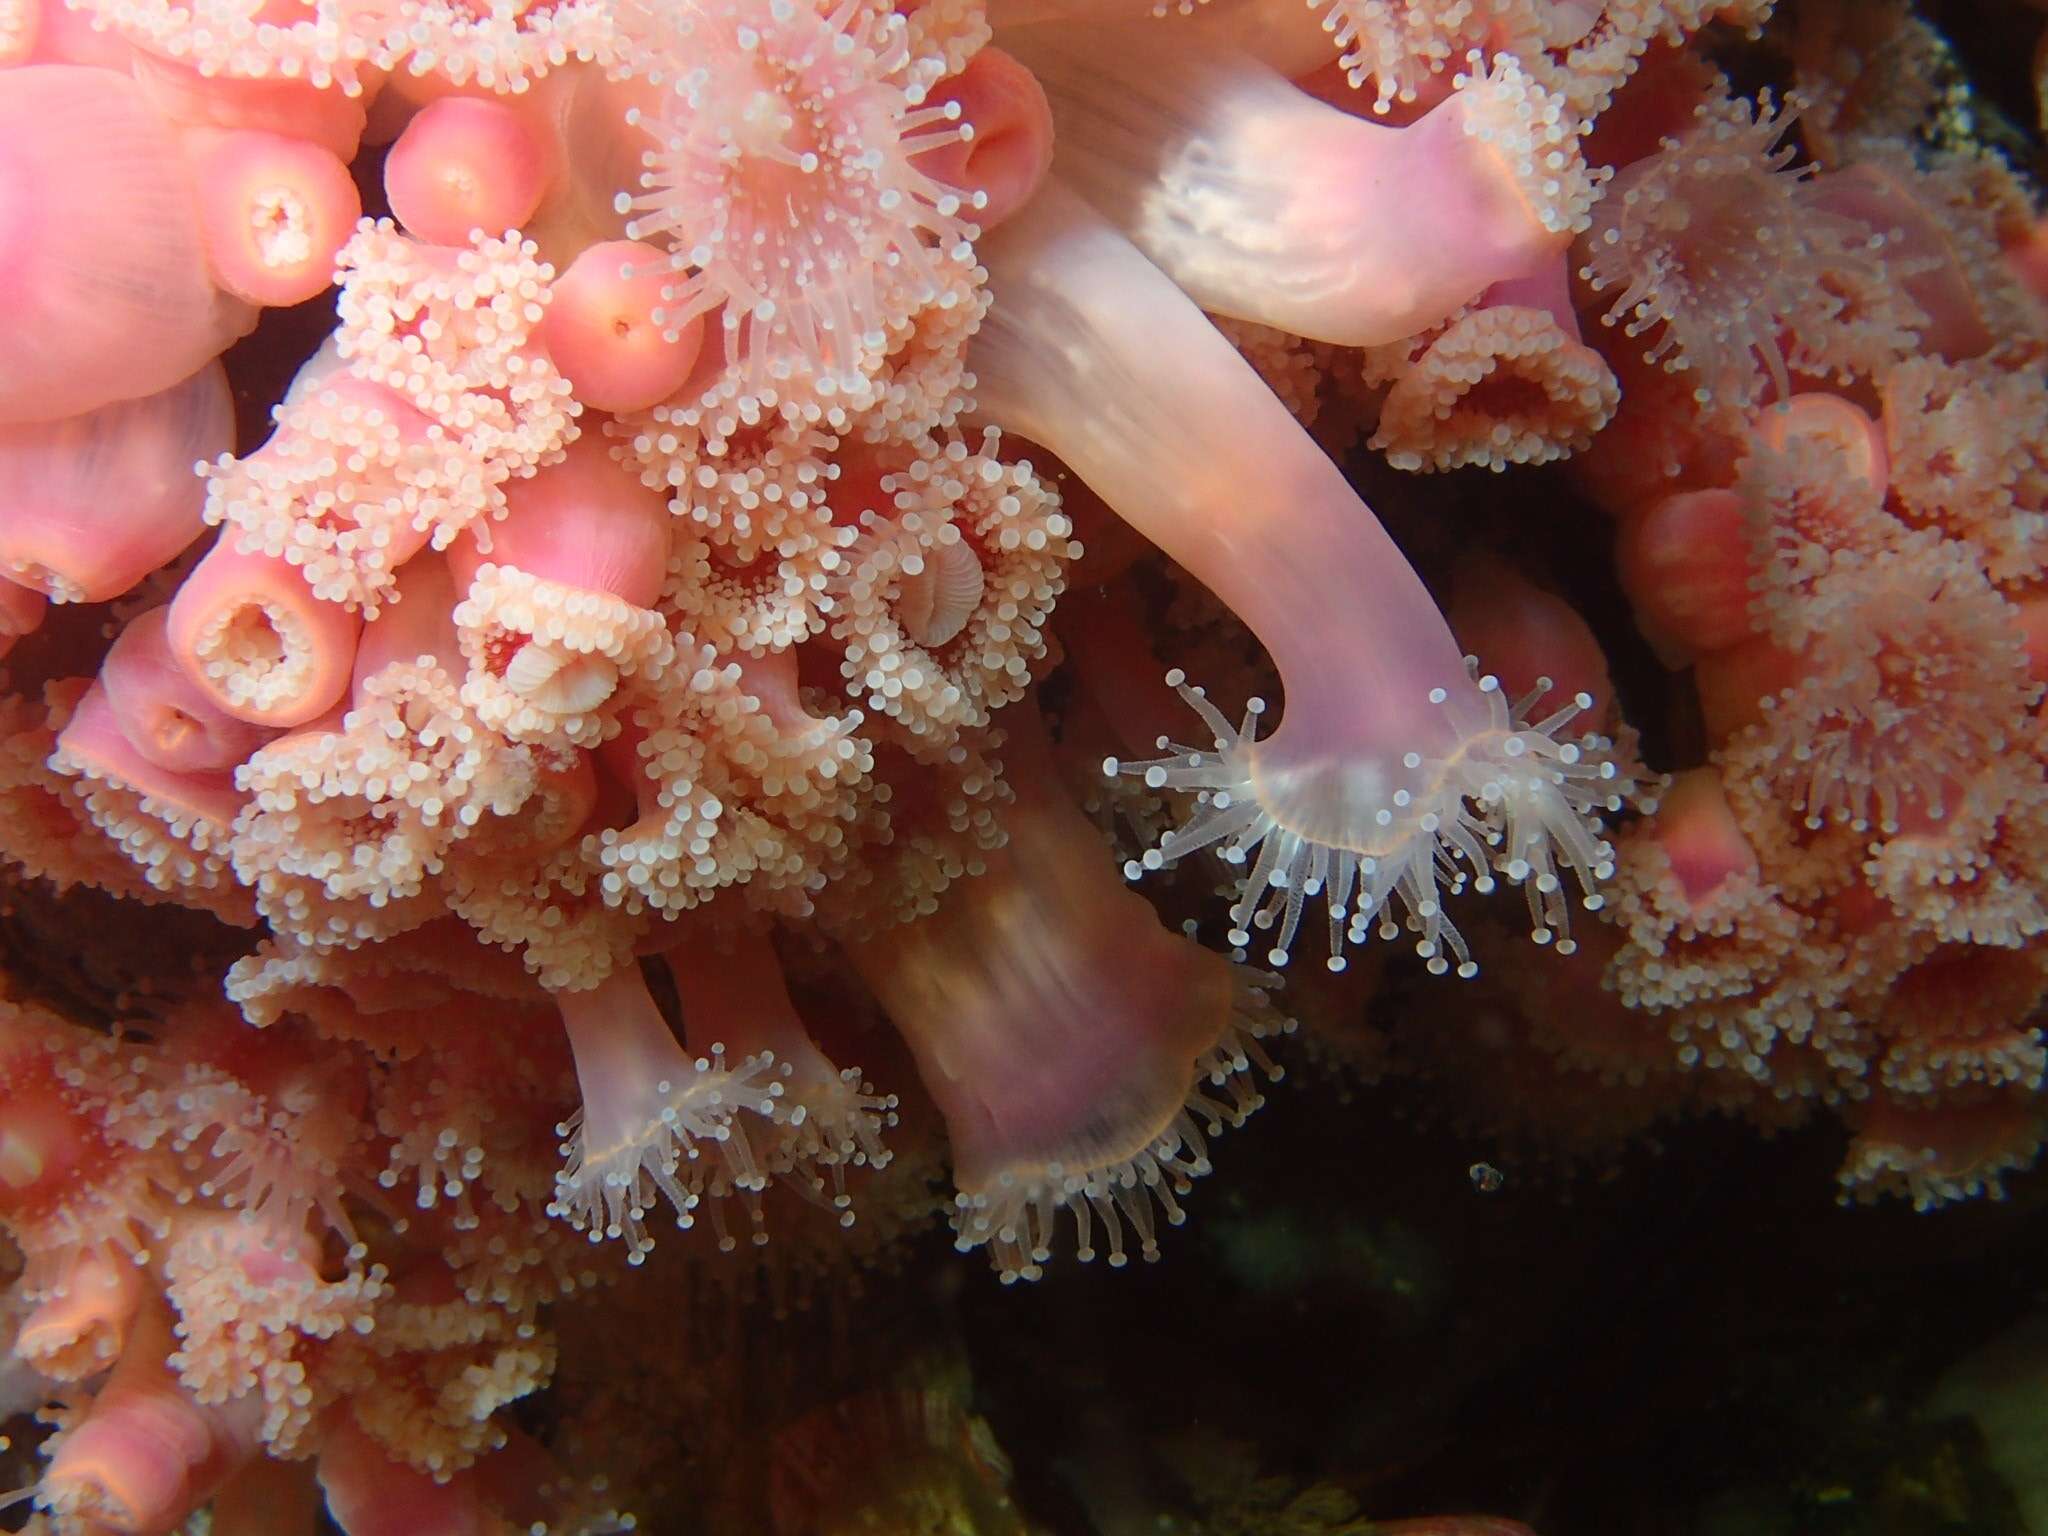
x=1286, y=35
x=1081, y=1052
x=648, y=1110
x=1396, y=768
x=1264, y=203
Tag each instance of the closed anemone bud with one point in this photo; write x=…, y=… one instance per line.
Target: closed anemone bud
x=1685, y=564
x=1009, y=149
x=601, y=332
x=463, y=163
x=92, y=504
x=1735, y=681
x=370, y=1494
x=275, y=210
x=93, y=746
x=1835, y=423
x=251, y=634
x=583, y=522
x=419, y=621
x=146, y=1455
x=1700, y=836
x=168, y=718
x=1546, y=649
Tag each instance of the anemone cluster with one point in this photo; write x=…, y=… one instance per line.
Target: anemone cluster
x=635, y=739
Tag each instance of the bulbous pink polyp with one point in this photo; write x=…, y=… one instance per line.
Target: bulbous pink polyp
x=105, y=292
x=92, y=504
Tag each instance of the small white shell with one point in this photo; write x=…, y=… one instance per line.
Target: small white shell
x=934, y=604
x=562, y=683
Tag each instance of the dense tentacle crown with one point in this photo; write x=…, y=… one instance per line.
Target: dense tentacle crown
x=1513, y=800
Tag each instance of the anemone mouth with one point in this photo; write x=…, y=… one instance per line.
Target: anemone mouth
x=1511, y=799
x=256, y=653
x=1125, y=1168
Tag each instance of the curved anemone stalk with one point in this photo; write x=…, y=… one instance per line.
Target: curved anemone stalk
x=1398, y=768
x=1264, y=204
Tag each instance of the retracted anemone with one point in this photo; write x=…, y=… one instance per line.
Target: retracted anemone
x=145, y=1455
x=1264, y=204
x=1080, y=1051
x=1398, y=768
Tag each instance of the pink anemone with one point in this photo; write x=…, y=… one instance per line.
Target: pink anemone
x=92, y=504
x=105, y=291
x=1074, y=1044
x=653, y=1119
x=1375, y=233
x=783, y=173
x=1397, y=767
